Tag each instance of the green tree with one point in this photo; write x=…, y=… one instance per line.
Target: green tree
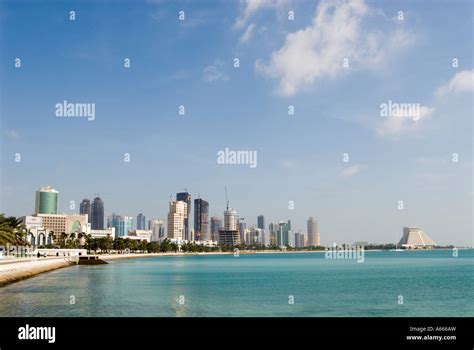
x=165, y=246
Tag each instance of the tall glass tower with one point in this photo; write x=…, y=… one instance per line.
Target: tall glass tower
x=261, y=222
x=85, y=208
x=97, y=213
x=201, y=220
x=141, y=222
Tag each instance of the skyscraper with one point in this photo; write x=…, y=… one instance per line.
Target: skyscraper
x=185, y=197
x=313, y=235
x=46, y=201
x=141, y=221
x=216, y=226
x=283, y=237
x=273, y=228
x=97, y=212
x=242, y=232
x=201, y=220
x=122, y=224
x=299, y=240
x=261, y=222
x=177, y=216
x=230, y=220
x=85, y=208
x=230, y=234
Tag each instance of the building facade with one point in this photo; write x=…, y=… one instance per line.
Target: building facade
x=85, y=208
x=201, y=220
x=313, y=234
x=46, y=201
x=299, y=240
x=216, y=226
x=186, y=197
x=122, y=224
x=230, y=234
x=261, y=222
x=107, y=232
x=141, y=222
x=157, y=230
x=284, y=235
x=97, y=212
x=177, y=219
x=415, y=238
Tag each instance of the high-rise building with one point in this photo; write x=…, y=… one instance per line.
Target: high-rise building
x=313, y=234
x=186, y=197
x=177, y=215
x=122, y=224
x=266, y=239
x=216, y=226
x=284, y=234
x=273, y=228
x=299, y=240
x=46, y=201
x=230, y=220
x=230, y=234
x=256, y=236
x=242, y=233
x=201, y=220
x=141, y=221
x=261, y=222
x=97, y=212
x=85, y=208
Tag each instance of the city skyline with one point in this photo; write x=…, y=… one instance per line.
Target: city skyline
x=330, y=137
x=233, y=231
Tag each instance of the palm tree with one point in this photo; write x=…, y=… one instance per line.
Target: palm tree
x=6, y=232
x=12, y=231
x=63, y=239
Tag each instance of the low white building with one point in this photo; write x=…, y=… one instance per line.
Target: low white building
x=139, y=234
x=108, y=232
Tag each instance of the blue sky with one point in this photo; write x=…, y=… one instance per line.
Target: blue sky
x=282, y=63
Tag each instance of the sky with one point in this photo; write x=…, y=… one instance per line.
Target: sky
x=334, y=62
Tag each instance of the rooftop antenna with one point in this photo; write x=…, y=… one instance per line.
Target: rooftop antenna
x=226, y=198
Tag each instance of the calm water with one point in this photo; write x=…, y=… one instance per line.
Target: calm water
x=432, y=283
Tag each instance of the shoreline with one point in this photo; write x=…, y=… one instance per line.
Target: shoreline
x=12, y=272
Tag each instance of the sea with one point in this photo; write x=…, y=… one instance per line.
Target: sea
x=385, y=284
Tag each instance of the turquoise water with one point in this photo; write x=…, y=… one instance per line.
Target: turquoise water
x=432, y=283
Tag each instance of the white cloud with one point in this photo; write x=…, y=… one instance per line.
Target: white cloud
x=461, y=82
x=318, y=50
x=352, y=170
x=13, y=134
x=250, y=7
x=247, y=34
x=215, y=72
x=402, y=124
